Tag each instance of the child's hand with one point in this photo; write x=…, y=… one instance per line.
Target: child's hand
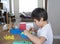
x=26, y=32
x=33, y=29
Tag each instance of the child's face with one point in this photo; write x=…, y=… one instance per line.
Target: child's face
x=39, y=23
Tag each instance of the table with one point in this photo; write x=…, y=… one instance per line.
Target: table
x=3, y=33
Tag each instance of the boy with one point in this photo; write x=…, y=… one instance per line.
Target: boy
x=44, y=33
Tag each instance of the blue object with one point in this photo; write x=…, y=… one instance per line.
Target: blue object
x=23, y=36
x=15, y=31
x=18, y=31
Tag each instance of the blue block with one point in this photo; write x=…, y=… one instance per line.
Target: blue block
x=23, y=36
x=15, y=31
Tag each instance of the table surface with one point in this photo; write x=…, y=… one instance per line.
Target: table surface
x=4, y=33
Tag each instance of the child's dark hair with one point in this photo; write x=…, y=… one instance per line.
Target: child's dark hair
x=39, y=13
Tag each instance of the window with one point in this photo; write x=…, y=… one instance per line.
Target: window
x=12, y=6
x=27, y=5
x=5, y=5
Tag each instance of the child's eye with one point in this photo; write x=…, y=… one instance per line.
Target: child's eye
x=34, y=21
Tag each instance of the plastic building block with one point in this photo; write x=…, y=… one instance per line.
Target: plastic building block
x=10, y=37
x=22, y=42
x=22, y=26
x=23, y=35
x=15, y=31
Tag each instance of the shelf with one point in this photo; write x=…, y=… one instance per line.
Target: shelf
x=2, y=18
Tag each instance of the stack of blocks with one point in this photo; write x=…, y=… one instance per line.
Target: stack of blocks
x=25, y=26
x=22, y=26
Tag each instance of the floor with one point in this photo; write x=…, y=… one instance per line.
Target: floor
x=3, y=33
x=56, y=41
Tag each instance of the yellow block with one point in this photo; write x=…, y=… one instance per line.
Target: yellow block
x=10, y=37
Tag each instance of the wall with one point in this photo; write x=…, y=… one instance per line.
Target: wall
x=54, y=16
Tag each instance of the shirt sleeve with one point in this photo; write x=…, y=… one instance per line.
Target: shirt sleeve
x=43, y=33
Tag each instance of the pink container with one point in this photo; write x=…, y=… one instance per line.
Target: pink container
x=22, y=26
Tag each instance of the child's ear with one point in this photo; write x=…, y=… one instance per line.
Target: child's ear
x=41, y=19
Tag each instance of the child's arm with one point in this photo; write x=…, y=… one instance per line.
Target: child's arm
x=35, y=39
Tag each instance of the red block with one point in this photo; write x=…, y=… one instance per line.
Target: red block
x=22, y=26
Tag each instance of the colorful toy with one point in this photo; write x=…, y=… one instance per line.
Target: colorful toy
x=22, y=26
x=10, y=37
x=23, y=35
x=22, y=42
x=26, y=25
x=15, y=31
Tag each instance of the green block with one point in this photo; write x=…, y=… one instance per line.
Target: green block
x=22, y=33
x=22, y=42
x=30, y=43
x=18, y=42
